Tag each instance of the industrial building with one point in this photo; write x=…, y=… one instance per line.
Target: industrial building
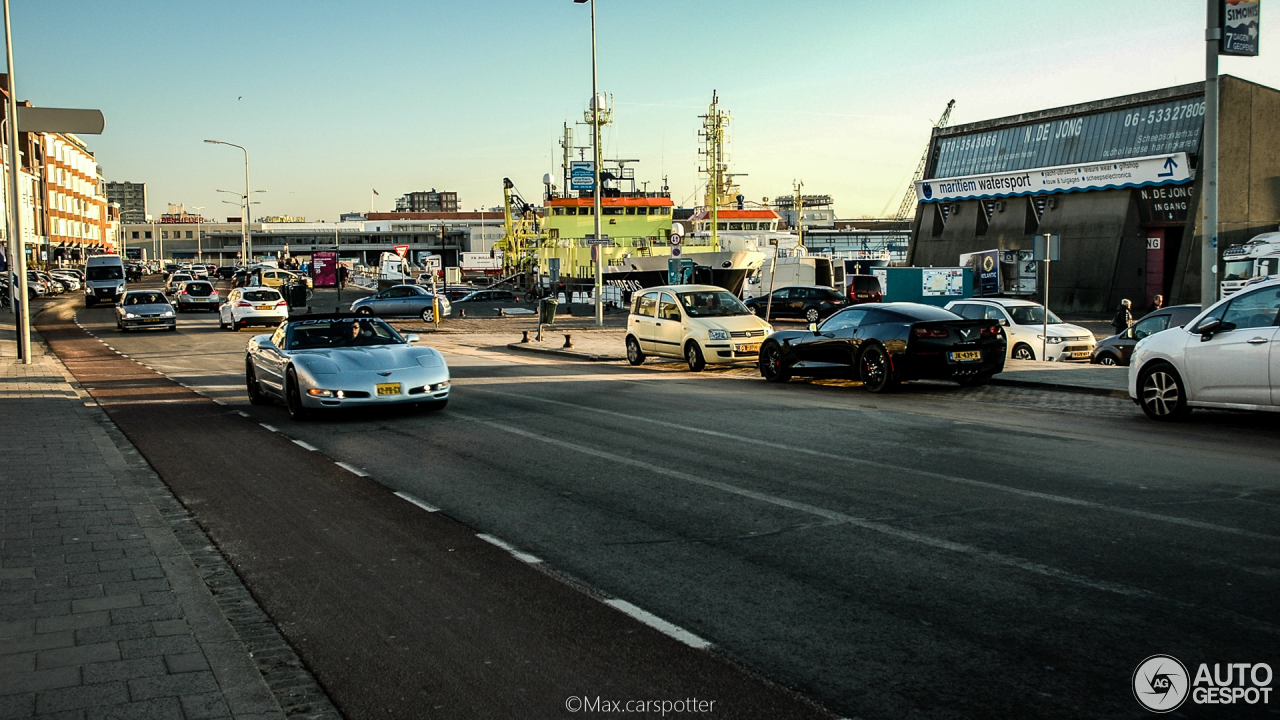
x=428, y=201
x=1115, y=178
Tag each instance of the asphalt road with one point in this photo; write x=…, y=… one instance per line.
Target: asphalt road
x=933, y=553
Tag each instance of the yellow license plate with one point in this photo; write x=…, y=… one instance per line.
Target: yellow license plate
x=1080, y=354
x=265, y=307
x=749, y=348
x=388, y=389
x=966, y=356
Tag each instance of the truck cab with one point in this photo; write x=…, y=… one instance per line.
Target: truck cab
x=1258, y=258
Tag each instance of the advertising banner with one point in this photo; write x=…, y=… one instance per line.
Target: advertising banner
x=1168, y=169
x=324, y=269
x=986, y=265
x=943, y=282
x=582, y=175
x=1241, y=26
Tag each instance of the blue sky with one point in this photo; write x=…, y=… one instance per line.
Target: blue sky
x=335, y=98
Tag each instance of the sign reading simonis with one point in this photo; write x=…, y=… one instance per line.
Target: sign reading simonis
x=1241, y=26
x=1155, y=170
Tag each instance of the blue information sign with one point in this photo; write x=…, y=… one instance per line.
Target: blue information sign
x=1154, y=129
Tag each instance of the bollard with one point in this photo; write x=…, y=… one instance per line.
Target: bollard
x=525, y=339
x=568, y=341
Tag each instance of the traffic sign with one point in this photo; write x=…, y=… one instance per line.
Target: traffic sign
x=401, y=250
x=675, y=251
x=676, y=240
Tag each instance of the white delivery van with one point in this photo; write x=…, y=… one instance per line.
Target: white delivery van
x=103, y=279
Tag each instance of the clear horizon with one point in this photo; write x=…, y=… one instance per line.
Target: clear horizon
x=333, y=101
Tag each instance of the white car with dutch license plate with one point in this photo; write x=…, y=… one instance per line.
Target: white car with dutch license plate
x=1023, y=323
x=703, y=324
x=1226, y=357
x=252, y=306
x=316, y=362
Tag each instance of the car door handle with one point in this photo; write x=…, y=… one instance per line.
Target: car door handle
x=1257, y=341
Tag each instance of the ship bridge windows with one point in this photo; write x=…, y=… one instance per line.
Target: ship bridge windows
x=557, y=211
x=631, y=211
x=611, y=211
x=585, y=210
x=735, y=226
x=722, y=226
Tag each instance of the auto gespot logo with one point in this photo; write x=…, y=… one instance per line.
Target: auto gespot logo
x=1162, y=684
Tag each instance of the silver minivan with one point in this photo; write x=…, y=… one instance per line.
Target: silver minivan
x=103, y=279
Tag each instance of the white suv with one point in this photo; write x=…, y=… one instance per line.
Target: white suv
x=1023, y=323
x=1224, y=358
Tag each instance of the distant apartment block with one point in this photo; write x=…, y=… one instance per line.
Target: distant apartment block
x=132, y=199
x=430, y=201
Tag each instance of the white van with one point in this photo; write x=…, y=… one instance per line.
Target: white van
x=103, y=279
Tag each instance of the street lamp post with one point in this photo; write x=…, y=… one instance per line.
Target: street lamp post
x=595, y=145
x=17, y=248
x=245, y=242
x=199, y=222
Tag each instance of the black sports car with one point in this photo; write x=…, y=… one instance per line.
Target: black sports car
x=883, y=344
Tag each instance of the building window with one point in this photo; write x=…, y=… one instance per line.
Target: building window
x=148, y=236
x=189, y=235
x=135, y=234
x=164, y=234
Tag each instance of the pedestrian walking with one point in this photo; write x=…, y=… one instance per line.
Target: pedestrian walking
x=1124, y=316
x=1156, y=303
x=342, y=276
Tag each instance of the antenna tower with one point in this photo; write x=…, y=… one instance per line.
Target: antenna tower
x=715, y=139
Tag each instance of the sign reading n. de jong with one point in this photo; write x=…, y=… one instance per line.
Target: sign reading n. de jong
x=1168, y=169
x=1241, y=27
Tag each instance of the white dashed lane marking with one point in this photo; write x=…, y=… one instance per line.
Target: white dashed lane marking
x=410, y=498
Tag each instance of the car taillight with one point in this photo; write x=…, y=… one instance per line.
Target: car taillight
x=926, y=332
x=244, y=304
x=991, y=330
x=282, y=302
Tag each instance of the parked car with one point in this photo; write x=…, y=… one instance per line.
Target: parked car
x=699, y=323
x=454, y=294
x=1223, y=358
x=52, y=286
x=145, y=309
x=252, y=306
x=1023, y=323
x=810, y=302
x=196, y=295
x=315, y=362
x=1117, y=349
x=884, y=344
x=402, y=301
x=69, y=282
x=489, y=296
x=37, y=284
x=272, y=277
x=226, y=272
x=863, y=289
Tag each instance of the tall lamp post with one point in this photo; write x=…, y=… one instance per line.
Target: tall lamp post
x=595, y=145
x=199, y=221
x=245, y=242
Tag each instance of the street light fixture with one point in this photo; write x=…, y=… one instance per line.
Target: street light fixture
x=246, y=245
x=595, y=144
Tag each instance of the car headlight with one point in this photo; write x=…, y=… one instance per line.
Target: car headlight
x=1052, y=339
x=129, y=315
x=718, y=334
x=167, y=313
x=317, y=392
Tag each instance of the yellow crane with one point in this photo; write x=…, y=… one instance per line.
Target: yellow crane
x=907, y=209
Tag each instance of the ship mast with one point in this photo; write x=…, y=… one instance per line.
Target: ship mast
x=714, y=134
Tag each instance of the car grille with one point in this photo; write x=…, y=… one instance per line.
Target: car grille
x=1076, y=348
x=747, y=333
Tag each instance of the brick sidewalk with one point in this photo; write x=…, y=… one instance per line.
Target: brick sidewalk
x=105, y=601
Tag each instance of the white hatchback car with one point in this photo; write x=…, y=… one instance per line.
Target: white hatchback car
x=252, y=306
x=1023, y=323
x=700, y=323
x=1224, y=358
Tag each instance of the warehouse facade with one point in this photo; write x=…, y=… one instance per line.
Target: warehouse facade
x=1116, y=179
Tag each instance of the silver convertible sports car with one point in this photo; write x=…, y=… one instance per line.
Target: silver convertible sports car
x=314, y=362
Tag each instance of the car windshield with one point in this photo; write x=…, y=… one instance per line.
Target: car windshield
x=1030, y=315
x=105, y=272
x=712, y=303
x=261, y=296
x=341, y=332
x=145, y=298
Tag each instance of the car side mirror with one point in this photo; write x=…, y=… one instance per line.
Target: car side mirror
x=1128, y=333
x=1210, y=326
x=813, y=328
x=1005, y=323
x=411, y=338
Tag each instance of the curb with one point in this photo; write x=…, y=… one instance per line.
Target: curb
x=572, y=354
x=1033, y=384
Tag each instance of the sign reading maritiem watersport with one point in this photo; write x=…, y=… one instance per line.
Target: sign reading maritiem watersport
x=1134, y=172
x=1241, y=27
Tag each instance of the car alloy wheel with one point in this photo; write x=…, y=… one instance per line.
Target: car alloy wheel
x=1023, y=351
x=812, y=315
x=428, y=315
x=693, y=356
x=1163, y=396
x=771, y=365
x=635, y=355
x=256, y=396
x=1107, y=359
x=293, y=397
x=874, y=370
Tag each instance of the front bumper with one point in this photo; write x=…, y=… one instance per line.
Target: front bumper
x=164, y=322
x=362, y=391
x=1074, y=351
